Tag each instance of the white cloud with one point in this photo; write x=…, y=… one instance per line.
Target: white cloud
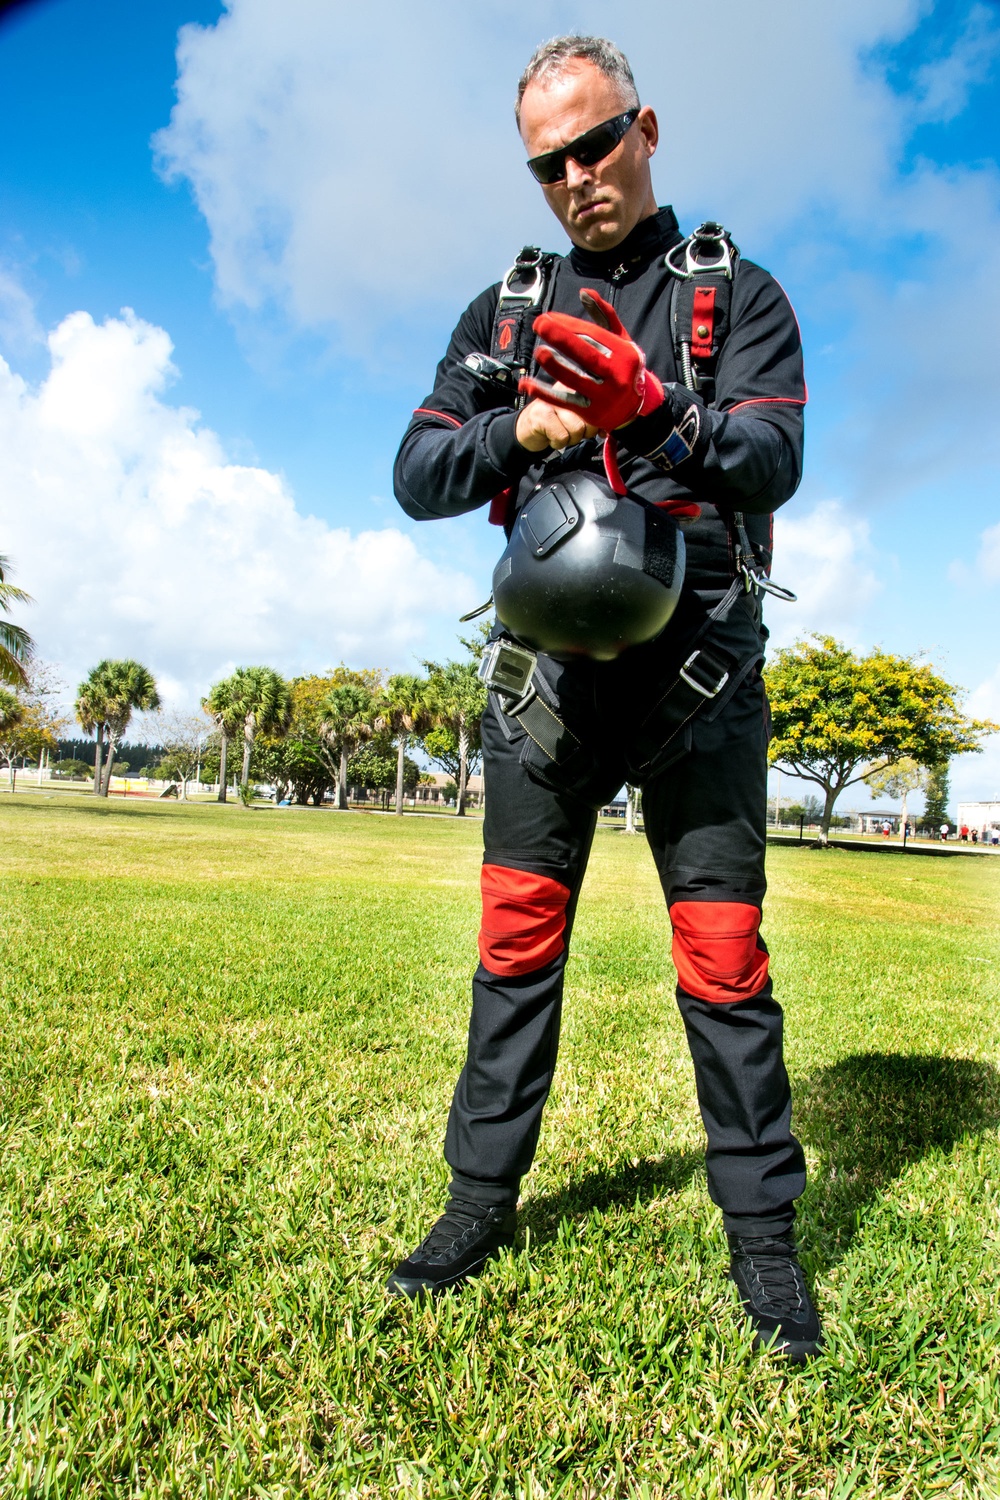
x=137, y=537
x=824, y=556
x=19, y=328
x=357, y=170
x=942, y=87
x=362, y=176
x=988, y=561
x=977, y=777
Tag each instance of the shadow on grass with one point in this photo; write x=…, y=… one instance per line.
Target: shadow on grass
x=622, y=1183
x=872, y=1115
x=868, y=1117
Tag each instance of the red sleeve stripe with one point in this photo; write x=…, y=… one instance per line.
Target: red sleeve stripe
x=767, y=401
x=428, y=411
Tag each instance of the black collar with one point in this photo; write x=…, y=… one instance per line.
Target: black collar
x=652, y=236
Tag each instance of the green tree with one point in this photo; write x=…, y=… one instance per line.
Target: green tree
x=105, y=703
x=224, y=710
x=838, y=717
x=404, y=710
x=262, y=703
x=936, y=796
x=898, y=782
x=350, y=715
x=16, y=645
x=184, y=738
x=303, y=760
x=375, y=766
x=456, y=701
x=11, y=722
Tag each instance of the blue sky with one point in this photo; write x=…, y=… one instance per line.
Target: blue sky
x=281, y=204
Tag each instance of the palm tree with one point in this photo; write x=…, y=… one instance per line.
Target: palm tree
x=349, y=718
x=11, y=716
x=456, y=699
x=403, y=710
x=89, y=708
x=16, y=646
x=106, y=701
x=263, y=701
x=222, y=707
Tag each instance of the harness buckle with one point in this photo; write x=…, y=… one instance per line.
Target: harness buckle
x=703, y=688
x=711, y=239
x=531, y=294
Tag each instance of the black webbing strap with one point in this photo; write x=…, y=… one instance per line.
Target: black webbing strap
x=706, y=671
x=547, y=730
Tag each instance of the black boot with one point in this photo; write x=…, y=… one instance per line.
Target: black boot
x=465, y=1237
x=774, y=1294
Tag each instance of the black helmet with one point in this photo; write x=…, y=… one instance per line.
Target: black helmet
x=587, y=572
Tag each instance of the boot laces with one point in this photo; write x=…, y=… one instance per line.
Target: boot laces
x=457, y=1227
x=775, y=1276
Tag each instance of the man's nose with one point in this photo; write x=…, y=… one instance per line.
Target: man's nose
x=577, y=176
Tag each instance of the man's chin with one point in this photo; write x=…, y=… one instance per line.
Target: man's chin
x=597, y=233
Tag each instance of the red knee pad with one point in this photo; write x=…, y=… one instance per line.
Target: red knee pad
x=524, y=920
x=715, y=950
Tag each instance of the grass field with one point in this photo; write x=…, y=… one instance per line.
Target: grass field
x=231, y=1039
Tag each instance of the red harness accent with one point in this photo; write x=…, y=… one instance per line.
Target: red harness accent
x=703, y=321
x=524, y=920
x=500, y=507
x=716, y=952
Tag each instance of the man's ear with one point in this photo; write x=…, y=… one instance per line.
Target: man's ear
x=649, y=128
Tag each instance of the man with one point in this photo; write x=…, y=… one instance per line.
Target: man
x=704, y=788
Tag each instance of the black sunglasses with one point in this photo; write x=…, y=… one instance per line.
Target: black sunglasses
x=588, y=149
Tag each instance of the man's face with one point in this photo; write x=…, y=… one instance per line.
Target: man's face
x=597, y=206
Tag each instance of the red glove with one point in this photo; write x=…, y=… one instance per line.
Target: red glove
x=597, y=369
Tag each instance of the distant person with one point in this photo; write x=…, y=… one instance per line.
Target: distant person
x=710, y=430
x=944, y=831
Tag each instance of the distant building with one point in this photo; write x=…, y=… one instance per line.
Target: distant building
x=871, y=822
x=982, y=816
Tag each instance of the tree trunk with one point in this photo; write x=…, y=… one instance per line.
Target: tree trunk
x=824, y=826
x=106, y=779
x=98, y=760
x=223, y=756
x=463, y=769
x=630, y=809
x=400, y=758
x=249, y=728
x=342, y=783
x=184, y=789
x=902, y=821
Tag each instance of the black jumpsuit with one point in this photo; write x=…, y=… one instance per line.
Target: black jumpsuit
x=704, y=794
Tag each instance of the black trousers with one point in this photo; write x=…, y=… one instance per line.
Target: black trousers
x=704, y=809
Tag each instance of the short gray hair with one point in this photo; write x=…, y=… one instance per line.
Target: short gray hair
x=554, y=57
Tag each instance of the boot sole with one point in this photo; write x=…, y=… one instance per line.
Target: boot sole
x=795, y=1351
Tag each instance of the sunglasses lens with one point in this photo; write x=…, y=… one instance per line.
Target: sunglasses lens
x=587, y=149
x=595, y=145
x=549, y=168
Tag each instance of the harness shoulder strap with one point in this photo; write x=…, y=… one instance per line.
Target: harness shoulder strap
x=526, y=291
x=703, y=267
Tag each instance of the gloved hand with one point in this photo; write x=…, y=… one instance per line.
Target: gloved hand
x=597, y=369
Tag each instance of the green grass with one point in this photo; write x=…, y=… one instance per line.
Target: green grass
x=231, y=1039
